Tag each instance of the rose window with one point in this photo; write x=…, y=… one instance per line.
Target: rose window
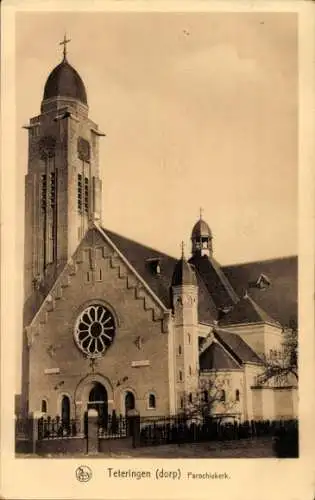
x=95, y=330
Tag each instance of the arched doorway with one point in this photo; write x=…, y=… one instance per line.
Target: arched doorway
x=98, y=400
x=129, y=401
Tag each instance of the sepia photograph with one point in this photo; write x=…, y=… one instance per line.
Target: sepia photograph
x=154, y=281
x=160, y=237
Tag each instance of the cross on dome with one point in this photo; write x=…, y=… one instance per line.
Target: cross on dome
x=64, y=43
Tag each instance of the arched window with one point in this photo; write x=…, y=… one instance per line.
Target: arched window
x=205, y=242
x=180, y=375
x=205, y=396
x=188, y=338
x=152, y=401
x=237, y=395
x=179, y=349
x=190, y=397
x=190, y=370
x=65, y=409
x=44, y=406
x=129, y=401
x=222, y=395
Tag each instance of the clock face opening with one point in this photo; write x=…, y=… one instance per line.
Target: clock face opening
x=95, y=330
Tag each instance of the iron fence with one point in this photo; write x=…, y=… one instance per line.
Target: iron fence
x=115, y=426
x=53, y=428
x=183, y=429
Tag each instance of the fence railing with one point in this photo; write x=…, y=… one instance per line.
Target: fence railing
x=157, y=430
x=167, y=430
x=53, y=428
x=114, y=427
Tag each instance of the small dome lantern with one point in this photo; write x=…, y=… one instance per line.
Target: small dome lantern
x=201, y=238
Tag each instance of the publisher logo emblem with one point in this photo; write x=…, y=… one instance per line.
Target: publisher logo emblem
x=83, y=473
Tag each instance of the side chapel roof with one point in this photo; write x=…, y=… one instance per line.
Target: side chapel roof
x=279, y=297
x=247, y=311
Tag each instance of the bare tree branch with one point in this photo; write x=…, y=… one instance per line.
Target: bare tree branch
x=279, y=365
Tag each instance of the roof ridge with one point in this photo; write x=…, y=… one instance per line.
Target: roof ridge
x=264, y=316
x=262, y=261
x=241, y=341
x=233, y=356
x=214, y=347
x=227, y=347
x=131, y=267
x=218, y=269
x=240, y=311
x=141, y=244
x=204, y=286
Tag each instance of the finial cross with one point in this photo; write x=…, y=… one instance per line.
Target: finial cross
x=201, y=212
x=64, y=43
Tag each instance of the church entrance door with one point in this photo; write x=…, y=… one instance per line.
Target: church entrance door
x=98, y=400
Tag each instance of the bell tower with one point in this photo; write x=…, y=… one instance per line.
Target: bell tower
x=201, y=238
x=62, y=185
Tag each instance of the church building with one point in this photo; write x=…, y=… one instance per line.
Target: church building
x=116, y=325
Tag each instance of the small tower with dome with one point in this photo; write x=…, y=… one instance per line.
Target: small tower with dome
x=201, y=238
x=186, y=354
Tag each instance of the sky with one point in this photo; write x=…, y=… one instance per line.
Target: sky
x=199, y=110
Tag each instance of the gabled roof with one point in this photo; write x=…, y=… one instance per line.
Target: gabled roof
x=236, y=346
x=140, y=257
x=216, y=282
x=279, y=299
x=247, y=311
x=215, y=357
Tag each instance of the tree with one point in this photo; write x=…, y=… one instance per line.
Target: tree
x=213, y=398
x=281, y=365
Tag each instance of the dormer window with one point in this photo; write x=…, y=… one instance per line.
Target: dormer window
x=262, y=282
x=155, y=265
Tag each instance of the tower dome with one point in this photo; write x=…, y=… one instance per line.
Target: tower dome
x=201, y=237
x=183, y=273
x=65, y=81
x=201, y=230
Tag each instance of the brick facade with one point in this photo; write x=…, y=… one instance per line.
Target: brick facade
x=53, y=346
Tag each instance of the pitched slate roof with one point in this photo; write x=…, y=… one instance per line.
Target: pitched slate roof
x=216, y=282
x=236, y=346
x=247, y=311
x=215, y=357
x=140, y=256
x=280, y=298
